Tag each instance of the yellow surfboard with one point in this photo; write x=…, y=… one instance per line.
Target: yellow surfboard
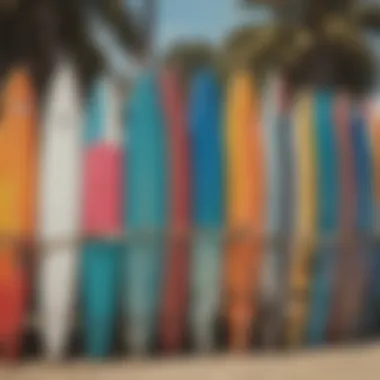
x=245, y=209
x=17, y=195
x=305, y=220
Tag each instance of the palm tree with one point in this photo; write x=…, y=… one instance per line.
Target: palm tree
x=129, y=32
x=326, y=33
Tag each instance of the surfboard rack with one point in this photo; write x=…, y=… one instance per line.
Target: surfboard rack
x=227, y=236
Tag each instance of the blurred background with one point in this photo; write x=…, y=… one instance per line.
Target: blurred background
x=333, y=44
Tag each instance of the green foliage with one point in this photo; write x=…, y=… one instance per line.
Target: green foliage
x=325, y=46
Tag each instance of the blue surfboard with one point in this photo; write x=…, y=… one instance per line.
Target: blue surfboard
x=373, y=298
x=327, y=198
x=207, y=206
x=275, y=320
x=101, y=216
x=145, y=211
x=367, y=259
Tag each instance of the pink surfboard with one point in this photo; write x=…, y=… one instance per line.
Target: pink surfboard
x=102, y=216
x=103, y=189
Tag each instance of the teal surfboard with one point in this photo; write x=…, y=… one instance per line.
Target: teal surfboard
x=327, y=197
x=207, y=207
x=145, y=211
x=102, y=211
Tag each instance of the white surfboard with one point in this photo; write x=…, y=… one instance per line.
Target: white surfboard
x=270, y=281
x=59, y=207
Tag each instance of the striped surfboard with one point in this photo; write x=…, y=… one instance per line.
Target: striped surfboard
x=102, y=215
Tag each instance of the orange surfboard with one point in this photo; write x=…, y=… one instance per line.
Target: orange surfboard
x=245, y=207
x=17, y=194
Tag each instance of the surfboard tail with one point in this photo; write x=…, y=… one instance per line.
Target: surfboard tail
x=343, y=319
x=13, y=302
x=57, y=288
x=143, y=289
x=100, y=267
x=371, y=301
x=272, y=295
x=175, y=296
x=299, y=293
x=205, y=291
x=321, y=296
x=337, y=315
x=242, y=285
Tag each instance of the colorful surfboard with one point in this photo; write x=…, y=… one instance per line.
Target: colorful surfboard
x=245, y=207
x=304, y=219
x=17, y=204
x=345, y=262
x=362, y=318
x=374, y=132
x=327, y=174
x=286, y=210
x=146, y=210
x=373, y=123
x=102, y=215
x=59, y=208
x=207, y=207
x=175, y=275
x=272, y=284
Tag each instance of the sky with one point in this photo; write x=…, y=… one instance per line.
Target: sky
x=208, y=20
x=200, y=19
x=181, y=20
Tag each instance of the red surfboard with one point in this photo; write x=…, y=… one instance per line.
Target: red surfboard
x=17, y=195
x=175, y=288
x=341, y=295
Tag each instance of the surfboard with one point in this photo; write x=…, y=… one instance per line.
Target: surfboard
x=207, y=200
x=304, y=219
x=271, y=284
x=59, y=208
x=17, y=204
x=327, y=174
x=101, y=215
x=176, y=268
x=372, y=115
x=145, y=211
x=374, y=136
x=245, y=207
x=345, y=263
x=286, y=182
x=366, y=272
